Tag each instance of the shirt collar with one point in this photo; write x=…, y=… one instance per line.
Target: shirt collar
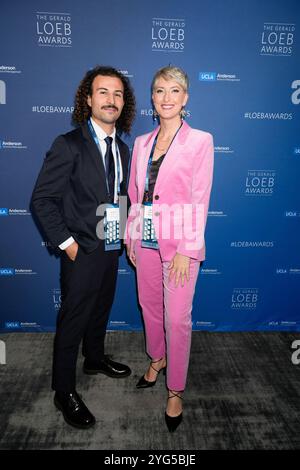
x=100, y=133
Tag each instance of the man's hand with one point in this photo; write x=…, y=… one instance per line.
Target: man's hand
x=180, y=268
x=72, y=251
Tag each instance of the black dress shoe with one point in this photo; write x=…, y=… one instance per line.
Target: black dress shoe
x=107, y=367
x=173, y=422
x=74, y=410
x=144, y=383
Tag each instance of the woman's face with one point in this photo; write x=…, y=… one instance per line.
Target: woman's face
x=168, y=97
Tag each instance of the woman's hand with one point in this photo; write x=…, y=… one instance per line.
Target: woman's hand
x=131, y=252
x=180, y=268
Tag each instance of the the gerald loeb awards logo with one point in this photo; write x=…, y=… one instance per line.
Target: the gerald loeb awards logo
x=277, y=39
x=244, y=298
x=54, y=29
x=168, y=35
x=260, y=183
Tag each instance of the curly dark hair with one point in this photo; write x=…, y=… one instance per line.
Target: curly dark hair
x=82, y=111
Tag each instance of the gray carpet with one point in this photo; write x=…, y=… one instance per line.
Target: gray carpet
x=243, y=392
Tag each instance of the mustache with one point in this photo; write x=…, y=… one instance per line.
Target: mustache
x=110, y=106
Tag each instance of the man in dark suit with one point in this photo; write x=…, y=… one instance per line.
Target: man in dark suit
x=83, y=170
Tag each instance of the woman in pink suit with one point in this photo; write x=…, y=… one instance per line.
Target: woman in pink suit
x=169, y=190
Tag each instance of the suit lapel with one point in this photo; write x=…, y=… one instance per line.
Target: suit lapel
x=124, y=155
x=122, y=150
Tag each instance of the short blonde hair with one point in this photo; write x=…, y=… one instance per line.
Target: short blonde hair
x=172, y=73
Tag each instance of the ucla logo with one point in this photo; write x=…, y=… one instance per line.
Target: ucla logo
x=207, y=76
x=281, y=271
x=7, y=272
x=291, y=214
x=12, y=324
x=3, y=211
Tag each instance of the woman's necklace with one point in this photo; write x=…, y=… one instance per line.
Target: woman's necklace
x=161, y=149
x=168, y=141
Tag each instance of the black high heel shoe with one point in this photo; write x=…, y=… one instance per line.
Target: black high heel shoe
x=173, y=422
x=143, y=383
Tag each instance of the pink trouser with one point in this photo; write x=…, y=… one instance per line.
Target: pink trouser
x=167, y=313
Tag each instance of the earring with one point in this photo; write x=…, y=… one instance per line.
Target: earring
x=183, y=113
x=155, y=115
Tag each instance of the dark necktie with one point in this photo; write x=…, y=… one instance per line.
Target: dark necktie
x=109, y=166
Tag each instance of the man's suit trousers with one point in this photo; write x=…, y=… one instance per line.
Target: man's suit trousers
x=88, y=288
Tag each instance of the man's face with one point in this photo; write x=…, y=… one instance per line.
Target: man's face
x=107, y=99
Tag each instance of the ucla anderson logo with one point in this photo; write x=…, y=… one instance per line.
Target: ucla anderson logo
x=218, y=77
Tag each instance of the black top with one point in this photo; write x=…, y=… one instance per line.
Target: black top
x=155, y=166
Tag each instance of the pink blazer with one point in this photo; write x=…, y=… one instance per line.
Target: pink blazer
x=181, y=193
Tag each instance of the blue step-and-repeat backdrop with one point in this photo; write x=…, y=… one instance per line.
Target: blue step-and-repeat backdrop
x=243, y=60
